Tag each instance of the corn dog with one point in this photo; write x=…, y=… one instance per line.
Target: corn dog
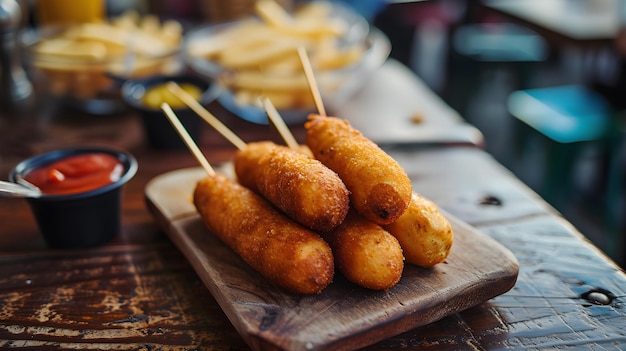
x=365, y=253
x=287, y=254
x=246, y=162
x=423, y=232
x=300, y=186
x=380, y=189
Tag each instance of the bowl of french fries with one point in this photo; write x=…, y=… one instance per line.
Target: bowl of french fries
x=84, y=64
x=257, y=57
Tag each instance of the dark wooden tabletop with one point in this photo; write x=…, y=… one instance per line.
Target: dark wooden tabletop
x=140, y=292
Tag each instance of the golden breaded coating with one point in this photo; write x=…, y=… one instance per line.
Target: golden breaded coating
x=423, y=232
x=246, y=162
x=365, y=253
x=300, y=186
x=380, y=189
x=287, y=254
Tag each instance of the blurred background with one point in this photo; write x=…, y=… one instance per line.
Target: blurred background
x=543, y=80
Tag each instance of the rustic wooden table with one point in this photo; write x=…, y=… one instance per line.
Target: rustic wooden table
x=140, y=292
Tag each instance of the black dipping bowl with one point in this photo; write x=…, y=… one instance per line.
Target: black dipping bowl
x=83, y=219
x=159, y=131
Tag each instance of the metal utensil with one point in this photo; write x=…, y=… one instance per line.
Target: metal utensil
x=14, y=190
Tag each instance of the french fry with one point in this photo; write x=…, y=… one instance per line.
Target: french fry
x=281, y=99
x=172, y=31
x=334, y=58
x=314, y=10
x=314, y=29
x=66, y=48
x=150, y=24
x=258, y=53
x=285, y=65
x=210, y=47
x=271, y=12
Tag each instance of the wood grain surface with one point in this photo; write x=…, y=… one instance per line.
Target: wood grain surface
x=344, y=316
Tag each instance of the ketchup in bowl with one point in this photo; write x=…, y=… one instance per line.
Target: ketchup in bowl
x=75, y=174
x=81, y=193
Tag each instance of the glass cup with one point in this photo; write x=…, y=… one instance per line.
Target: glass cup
x=63, y=12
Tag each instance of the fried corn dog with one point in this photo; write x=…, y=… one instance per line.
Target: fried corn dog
x=365, y=253
x=423, y=232
x=287, y=254
x=246, y=162
x=380, y=189
x=300, y=186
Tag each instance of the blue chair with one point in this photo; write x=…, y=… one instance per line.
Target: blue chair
x=565, y=114
x=568, y=118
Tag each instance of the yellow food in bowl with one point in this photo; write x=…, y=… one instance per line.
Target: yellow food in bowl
x=159, y=94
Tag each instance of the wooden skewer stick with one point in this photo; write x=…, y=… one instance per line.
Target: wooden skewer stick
x=310, y=77
x=167, y=109
x=206, y=115
x=279, y=123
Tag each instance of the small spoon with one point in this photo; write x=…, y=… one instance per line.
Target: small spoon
x=8, y=189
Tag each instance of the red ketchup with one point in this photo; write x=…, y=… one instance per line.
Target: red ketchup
x=76, y=174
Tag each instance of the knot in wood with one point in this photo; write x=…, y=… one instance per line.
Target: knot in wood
x=490, y=200
x=598, y=296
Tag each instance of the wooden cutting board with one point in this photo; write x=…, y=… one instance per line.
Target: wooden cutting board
x=344, y=316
